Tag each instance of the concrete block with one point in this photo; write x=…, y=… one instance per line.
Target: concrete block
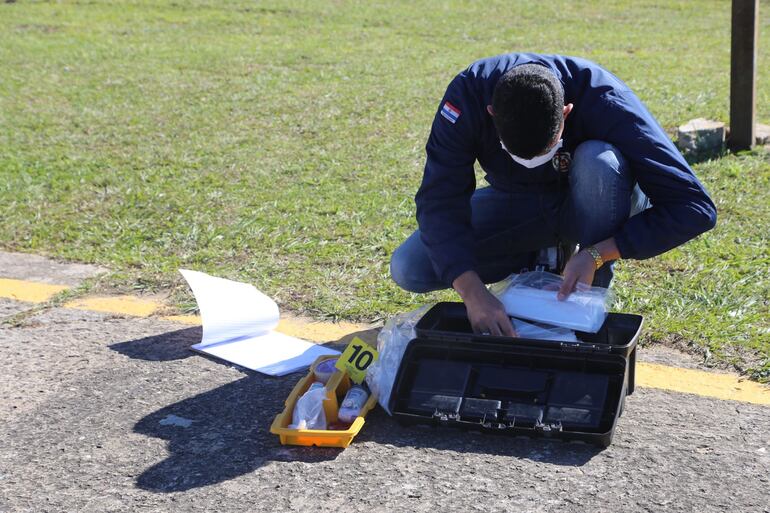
x=22, y=266
x=701, y=137
x=762, y=134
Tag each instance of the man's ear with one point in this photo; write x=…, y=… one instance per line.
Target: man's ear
x=567, y=110
x=492, y=112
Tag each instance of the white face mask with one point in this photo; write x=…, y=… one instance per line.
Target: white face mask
x=536, y=161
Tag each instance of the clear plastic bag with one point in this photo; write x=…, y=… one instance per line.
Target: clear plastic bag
x=309, y=410
x=532, y=296
x=391, y=344
x=540, y=331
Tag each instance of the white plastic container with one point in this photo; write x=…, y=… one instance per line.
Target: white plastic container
x=352, y=404
x=324, y=370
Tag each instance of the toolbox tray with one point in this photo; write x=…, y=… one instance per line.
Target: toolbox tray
x=569, y=390
x=336, y=388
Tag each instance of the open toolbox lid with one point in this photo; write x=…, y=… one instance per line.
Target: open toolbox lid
x=619, y=333
x=450, y=376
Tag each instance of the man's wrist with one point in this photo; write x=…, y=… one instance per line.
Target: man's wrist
x=607, y=249
x=468, y=285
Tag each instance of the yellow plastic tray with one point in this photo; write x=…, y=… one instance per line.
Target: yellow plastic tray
x=336, y=387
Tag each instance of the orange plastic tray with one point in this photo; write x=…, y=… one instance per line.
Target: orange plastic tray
x=336, y=387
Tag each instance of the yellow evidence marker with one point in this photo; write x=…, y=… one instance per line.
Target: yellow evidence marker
x=356, y=358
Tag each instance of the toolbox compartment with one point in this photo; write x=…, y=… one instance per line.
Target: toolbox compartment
x=569, y=390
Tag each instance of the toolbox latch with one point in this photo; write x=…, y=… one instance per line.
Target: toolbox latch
x=442, y=416
x=552, y=427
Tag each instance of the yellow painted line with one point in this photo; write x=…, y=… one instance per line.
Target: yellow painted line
x=318, y=331
x=193, y=320
x=121, y=305
x=295, y=327
x=707, y=384
x=29, y=291
x=710, y=384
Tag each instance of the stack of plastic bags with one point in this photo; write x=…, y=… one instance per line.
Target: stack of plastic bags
x=532, y=296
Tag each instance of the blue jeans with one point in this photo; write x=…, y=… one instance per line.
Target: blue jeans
x=511, y=227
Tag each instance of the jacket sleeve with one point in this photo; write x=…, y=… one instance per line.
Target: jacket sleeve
x=443, y=199
x=681, y=209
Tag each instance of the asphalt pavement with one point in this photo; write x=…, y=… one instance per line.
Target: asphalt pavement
x=107, y=413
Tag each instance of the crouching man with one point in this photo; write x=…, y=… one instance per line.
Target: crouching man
x=571, y=156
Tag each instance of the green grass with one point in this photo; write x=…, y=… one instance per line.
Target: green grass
x=281, y=143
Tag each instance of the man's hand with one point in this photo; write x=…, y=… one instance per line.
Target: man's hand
x=485, y=311
x=582, y=267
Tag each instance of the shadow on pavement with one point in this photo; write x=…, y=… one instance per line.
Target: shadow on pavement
x=230, y=431
x=382, y=429
x=229, y=435
x=174, y=345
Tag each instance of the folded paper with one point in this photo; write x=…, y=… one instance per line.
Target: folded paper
x=239, y=325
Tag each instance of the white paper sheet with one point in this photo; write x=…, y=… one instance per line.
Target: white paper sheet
x=238, y=326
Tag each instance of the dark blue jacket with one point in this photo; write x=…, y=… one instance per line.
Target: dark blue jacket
x=604, y=109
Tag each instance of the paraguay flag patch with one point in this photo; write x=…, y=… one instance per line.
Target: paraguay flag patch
x=450, y=112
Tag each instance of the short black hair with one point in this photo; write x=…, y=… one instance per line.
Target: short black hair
x=528, y=103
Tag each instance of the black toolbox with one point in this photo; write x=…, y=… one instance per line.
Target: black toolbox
x=516, y=386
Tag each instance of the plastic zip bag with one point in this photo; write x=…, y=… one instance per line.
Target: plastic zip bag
x=391, y=344
x=309, y=411
x=532, y=296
